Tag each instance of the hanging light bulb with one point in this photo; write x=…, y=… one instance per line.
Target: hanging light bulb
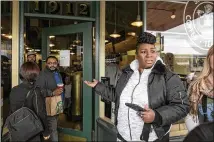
x=115, y=34
x=173, y=15
x=138, y=22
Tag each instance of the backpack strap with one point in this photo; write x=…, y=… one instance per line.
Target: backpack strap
x=28, y=94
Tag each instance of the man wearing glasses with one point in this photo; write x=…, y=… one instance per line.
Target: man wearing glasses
x=48, y=81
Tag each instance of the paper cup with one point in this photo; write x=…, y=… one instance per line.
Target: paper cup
x=60, y=85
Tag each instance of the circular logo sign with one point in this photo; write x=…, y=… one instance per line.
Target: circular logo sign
x=198, y=23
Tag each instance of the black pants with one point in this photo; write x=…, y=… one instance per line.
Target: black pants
x=164, y=139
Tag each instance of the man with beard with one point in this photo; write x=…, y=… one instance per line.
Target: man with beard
x=31, y=57
x=48, y=80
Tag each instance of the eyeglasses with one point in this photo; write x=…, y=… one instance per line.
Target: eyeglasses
x=52, y=63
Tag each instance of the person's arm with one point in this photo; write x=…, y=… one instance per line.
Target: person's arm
x=107, y=92
x=41, y=83
x=40, y=109
x=178, y=103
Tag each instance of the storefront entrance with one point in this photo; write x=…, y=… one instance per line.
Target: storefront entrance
x=72, y=45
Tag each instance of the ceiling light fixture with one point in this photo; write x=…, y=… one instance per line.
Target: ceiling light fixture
x=9, y=36
x=52, y=36
x=138, y=22
x=172, y=11
x=131, y=33
x=115, y=34
x=51, y=44
x=173, y=15
x=38, y=50
x=77, y=41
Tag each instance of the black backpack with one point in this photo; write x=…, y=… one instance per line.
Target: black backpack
x=23, y=124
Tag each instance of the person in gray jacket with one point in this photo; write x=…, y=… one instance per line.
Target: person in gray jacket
x=148, y=83
x=47, y=82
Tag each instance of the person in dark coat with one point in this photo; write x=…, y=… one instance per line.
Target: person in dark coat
x=148, y=83
x=36, y=102
x=48, y=80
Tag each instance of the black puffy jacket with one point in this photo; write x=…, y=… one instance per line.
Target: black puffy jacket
x=166, y=93
x=34, y=102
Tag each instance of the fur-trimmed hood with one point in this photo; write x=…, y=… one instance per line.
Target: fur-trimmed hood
x=158, y=67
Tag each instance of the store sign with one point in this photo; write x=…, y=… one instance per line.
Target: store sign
x=72, y=8
x=64, y=58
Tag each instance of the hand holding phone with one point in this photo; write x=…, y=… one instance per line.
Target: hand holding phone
x=134, y=107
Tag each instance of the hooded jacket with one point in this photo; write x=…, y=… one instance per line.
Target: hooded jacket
x=166, y=96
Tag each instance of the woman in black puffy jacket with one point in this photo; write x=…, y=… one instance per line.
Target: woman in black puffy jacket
x=28, y=74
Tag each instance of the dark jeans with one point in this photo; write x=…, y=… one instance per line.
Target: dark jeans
x=52, y=123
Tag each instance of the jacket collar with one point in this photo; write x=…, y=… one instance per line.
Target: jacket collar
x=28, y=84
x=159, y=68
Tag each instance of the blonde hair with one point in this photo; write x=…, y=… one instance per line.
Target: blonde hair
x=194, y=89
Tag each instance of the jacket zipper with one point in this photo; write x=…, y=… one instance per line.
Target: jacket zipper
x=149, y=105
x=129, y=108
x=181, y=98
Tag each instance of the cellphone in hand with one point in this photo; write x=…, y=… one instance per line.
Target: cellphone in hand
x=134, y=107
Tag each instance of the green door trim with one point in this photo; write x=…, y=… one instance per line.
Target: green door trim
x=86, y=29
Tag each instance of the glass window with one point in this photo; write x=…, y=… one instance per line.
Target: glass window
x=6, y=56
x=183, y=38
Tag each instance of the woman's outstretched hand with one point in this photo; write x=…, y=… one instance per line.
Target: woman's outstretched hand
x=91, y=84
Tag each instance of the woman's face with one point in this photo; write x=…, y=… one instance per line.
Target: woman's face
x=146, y=55
x=211, y=62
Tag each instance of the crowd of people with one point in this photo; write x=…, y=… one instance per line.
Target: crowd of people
x=146, y=82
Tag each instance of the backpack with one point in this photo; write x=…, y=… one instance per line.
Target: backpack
x=23, y=124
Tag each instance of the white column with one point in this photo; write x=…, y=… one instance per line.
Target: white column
x=15, y=43
x=102, y=49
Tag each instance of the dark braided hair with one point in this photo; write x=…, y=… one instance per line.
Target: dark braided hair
x=145, y=38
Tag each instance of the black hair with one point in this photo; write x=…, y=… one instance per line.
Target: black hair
x=145, y=38
x=53, y=57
